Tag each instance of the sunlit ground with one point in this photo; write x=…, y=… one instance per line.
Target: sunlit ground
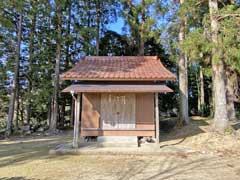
x=218, y=158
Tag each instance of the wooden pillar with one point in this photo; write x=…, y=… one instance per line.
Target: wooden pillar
x=76, y=122
x=156, y=117
x=72, y=112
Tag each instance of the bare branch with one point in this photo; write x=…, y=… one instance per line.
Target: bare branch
x=200, y=2
x=226, y=16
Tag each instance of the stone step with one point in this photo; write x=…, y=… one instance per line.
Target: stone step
x=117, y=141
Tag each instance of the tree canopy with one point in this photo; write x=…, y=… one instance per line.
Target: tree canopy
x=197, y=40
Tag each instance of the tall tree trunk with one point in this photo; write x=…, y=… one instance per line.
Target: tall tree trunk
x=183, y=75
x=88, y=5
x=202, y=86
x=22, y=111
x=50, y=108
x=15, y=78
x=16, y=116
x=62, y=115
x=142, y=33
x=231, y=85
x=212, y=98
x=54, y=116
x=220, y=112
x=68, y=56
x=98, y=26
x=202, y=94
x=31, y=52
x=199, y=94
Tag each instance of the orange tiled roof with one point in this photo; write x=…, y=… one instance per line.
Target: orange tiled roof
x=118, y=68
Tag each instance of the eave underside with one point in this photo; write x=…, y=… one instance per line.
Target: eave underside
x=117, y=88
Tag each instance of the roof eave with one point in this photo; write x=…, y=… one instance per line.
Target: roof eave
x=116, y=89
x=121, y=79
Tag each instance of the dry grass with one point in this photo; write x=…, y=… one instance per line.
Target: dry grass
x=198, y=136
x=27, y=158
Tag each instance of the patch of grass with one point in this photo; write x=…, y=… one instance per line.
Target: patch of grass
x=230, y=131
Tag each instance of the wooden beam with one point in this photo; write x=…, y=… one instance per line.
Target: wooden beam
x=157, y=117
x=76, y=122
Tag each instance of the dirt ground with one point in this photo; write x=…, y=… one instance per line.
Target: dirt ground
x=214, y=157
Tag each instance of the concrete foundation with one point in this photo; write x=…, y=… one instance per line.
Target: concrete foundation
x=117, y=141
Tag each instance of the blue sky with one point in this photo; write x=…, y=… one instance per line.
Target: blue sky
x=117, y=26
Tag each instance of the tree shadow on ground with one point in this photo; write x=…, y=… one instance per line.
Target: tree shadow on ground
x=170, y=167
x=25, y=150
x=17, y=178
x=170, y=131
